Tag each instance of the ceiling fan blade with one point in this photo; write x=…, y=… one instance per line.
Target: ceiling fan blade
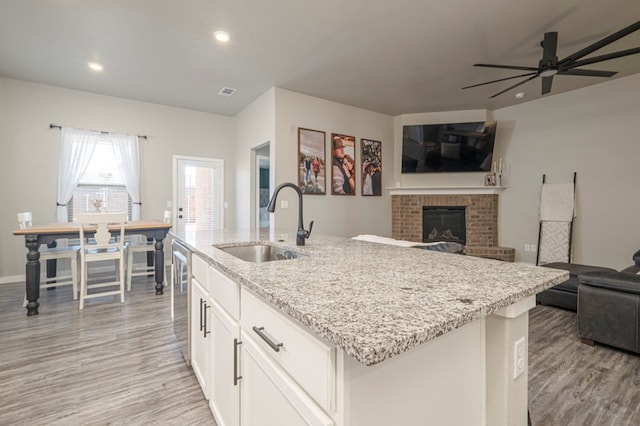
x=514, y=86
x=549, y=47
x=546, y=84
x=588, y=73
x=606, y=57
x=507, y=67
x=500, y=79
x=601, y=43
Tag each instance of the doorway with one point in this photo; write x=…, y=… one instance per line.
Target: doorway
x=263, y=187
x=198, y=194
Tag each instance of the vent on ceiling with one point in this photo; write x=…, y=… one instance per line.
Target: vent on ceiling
x=226, y=91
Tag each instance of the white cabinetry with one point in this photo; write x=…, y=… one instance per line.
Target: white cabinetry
x=270, y=396
x=200, y=334
x=225, y=366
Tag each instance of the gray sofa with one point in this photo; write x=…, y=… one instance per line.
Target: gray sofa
x=565, y=295
x=609, y=308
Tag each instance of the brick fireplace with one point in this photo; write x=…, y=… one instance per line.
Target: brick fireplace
x=481, y=215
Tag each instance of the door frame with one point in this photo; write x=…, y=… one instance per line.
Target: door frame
x=174, y=185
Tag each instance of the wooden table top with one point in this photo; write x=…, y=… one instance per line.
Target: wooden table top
x=70, y=227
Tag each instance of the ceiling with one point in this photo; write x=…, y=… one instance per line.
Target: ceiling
x=393, y=57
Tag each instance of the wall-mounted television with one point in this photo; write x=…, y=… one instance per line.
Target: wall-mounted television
x=452, y=147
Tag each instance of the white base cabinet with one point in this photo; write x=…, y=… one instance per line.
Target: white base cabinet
x=225, y=368
x=200, y=334
x=270, y=396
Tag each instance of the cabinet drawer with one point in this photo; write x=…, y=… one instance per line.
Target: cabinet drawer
x=309, y=361
x=199, y=269
x=224, y=291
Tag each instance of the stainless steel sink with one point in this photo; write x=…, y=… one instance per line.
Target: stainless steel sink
x=262, y=253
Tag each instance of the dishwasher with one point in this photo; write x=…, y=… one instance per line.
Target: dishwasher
x=181, y=296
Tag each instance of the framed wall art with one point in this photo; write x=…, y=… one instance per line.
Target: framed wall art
x=343, y=164
x=311, y=161
x=371, y=158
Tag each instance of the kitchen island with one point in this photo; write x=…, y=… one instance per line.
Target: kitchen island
x=420, y=336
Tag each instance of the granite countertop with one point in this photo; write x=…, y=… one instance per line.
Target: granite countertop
x=374, y=300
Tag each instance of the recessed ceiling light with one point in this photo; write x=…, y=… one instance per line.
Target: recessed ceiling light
x=222, y=36
x=520, y=95
x=95, y=66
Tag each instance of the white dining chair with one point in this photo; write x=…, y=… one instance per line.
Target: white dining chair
x=137, y=245
x=25, y=220
x=99, y=247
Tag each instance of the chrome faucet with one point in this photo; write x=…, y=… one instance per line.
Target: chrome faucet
x=301, y=234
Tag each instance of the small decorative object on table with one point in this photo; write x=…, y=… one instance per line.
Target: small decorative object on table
x=97, y=205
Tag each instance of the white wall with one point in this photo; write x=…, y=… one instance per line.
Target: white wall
x=594, y=132
x=30, y=150
x=333, y=214
x=255, y=127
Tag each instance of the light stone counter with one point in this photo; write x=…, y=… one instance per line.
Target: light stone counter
x=373, y=300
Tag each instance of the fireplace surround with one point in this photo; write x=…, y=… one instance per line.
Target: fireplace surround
x=481, y=220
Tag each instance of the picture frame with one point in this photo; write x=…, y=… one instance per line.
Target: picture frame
x=343, y=164
x=371, y=167
x=312, y=161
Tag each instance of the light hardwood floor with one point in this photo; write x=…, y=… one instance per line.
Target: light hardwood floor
x=575, y=384
x=120, y=364
x=108, y=364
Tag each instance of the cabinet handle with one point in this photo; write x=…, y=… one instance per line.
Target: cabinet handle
x=201, y=303
x=275, y=346
x=236, y=343
x=205, y=320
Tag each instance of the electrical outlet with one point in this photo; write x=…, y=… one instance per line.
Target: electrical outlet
x=527, y=247
x=284, y=204
x=534, y=247
x=518, y=357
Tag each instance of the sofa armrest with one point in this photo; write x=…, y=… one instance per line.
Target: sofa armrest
x=619, y=281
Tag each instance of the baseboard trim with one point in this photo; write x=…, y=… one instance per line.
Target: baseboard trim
x=10, y=279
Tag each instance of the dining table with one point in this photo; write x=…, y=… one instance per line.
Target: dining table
x=37, y=235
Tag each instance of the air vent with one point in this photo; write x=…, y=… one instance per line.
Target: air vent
x=226, y=91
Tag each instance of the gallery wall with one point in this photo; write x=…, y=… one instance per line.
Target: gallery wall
x=342, y=215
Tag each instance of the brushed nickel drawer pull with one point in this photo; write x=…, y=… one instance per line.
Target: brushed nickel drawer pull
x=275, y=346
x=236, y=343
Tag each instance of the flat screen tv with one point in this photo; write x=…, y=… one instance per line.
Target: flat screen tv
x=453, y=147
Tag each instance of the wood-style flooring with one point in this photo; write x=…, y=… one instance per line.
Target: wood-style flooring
x=110, y=364
x=120, y=365
x=575, y=384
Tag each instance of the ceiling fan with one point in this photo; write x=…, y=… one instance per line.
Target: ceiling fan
x=549, y=65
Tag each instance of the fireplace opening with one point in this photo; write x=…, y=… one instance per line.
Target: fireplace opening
x=444, y=224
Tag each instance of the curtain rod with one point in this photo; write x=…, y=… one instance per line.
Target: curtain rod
x=56, y=126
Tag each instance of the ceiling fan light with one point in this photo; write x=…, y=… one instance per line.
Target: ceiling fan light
x=549, y=72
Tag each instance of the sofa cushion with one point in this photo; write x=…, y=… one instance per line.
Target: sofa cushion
x=618, y=281
x=575, y=270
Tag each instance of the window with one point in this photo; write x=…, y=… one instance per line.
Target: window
x=101, y=185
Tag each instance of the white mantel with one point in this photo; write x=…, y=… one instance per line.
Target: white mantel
x=445, y=190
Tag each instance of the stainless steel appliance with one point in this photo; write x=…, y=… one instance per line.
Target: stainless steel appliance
x=181, y=296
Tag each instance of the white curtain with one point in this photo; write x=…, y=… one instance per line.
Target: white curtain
x=126, y=149
x=76, y=149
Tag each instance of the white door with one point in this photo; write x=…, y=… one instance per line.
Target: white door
x=198, y=195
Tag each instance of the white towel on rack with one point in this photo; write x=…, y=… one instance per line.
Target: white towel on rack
x=557, y=202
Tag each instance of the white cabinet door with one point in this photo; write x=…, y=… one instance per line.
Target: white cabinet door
x=270, y=397
x=225, y=368
x=200, y=334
